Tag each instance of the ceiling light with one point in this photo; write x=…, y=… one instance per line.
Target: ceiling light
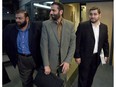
x=42, y=6
x=49, y=2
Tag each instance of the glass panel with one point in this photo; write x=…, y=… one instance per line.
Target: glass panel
x=41, y=10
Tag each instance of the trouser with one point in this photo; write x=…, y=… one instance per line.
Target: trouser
x=87, y=71
x=26, y=69
x=62, y=76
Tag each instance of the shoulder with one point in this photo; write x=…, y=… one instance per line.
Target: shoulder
x=104, y=25
x=85, y=23
x=68, y=22
x=82, y=27
x=47, y=22
x=10, y=27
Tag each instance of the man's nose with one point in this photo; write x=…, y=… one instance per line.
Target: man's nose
x=17, y=20
x=92, y=16
x=51, y=12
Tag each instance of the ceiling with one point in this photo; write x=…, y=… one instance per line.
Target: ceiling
x=10, y=5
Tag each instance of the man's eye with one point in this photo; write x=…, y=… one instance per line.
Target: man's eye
x=18, y=18
x=93, y=14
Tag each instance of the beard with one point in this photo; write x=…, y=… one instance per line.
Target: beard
x=22, y=24
x=94, y=20
x=55, y=17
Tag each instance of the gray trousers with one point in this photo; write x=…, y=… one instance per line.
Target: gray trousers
x=26, y=69
x=62, y=76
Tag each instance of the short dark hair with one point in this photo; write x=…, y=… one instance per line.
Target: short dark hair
x=60, y=5
x=22, y=11
x=95, y=8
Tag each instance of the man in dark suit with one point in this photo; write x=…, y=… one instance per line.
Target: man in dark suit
x=21, y=42
x=92, y=36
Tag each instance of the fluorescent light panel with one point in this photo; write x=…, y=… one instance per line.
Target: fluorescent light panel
x=42, y=6
x=49, y=2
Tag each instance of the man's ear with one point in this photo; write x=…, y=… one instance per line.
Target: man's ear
x=100, y=15
x=61, y=12
x=27, y=18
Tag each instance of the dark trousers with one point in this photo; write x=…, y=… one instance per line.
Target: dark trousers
x=87, y=71
x=26, y=69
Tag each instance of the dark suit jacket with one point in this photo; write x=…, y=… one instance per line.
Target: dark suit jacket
x=10, y=42
x=85, y=40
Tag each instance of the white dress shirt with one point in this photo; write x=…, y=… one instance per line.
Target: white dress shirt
x=96, y=35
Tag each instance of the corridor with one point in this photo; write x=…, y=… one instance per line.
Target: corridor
x=103, y=77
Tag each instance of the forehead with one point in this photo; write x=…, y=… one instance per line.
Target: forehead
x=54, y=7
x=94, y=11
x=19, y=15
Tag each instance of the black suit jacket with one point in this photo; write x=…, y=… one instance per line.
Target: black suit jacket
x=85, y=40
x=10, y=42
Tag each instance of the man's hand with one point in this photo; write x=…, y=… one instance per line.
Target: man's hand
x=47, y=70
x=78, y=60
x=65, y=67
x=106, y=59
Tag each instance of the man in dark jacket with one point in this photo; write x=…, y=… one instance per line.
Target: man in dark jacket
x=92, y=36
x=21, y=42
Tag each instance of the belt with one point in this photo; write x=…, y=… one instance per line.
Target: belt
x=25, y=55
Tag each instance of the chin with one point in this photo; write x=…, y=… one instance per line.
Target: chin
x=93, y=21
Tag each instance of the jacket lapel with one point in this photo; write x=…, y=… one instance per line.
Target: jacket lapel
x=100, y=34
x=100, y=31
x=30, y=36
x=91, y=30
x=63, y=30
x=54, y=28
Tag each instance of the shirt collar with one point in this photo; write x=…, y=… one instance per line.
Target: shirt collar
x=96, y=25
x=25, y=29
x=61, y=21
